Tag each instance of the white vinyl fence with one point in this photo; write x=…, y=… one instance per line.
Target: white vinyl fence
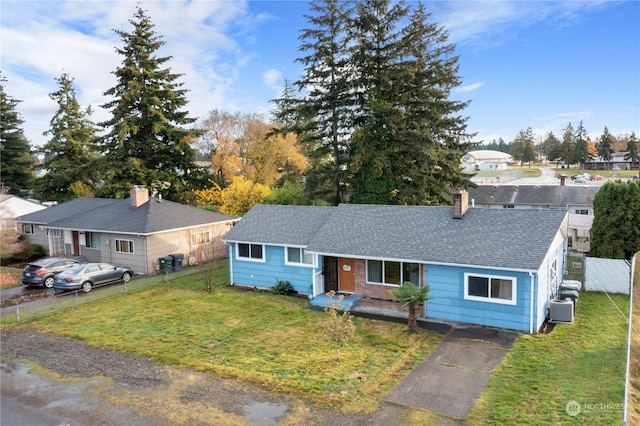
x=610, y=275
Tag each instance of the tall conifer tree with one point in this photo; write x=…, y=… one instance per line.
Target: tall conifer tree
x=17, y=163
x=568, y=146
x=604, y=146
x=409, y=147
x=325, y=112
x=147, y=143
x=69, y=156
x=581, y=150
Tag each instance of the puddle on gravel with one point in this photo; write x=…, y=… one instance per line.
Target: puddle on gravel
x=264, y=413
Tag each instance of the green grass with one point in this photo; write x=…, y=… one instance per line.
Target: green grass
x=274, y=341
x=617, y=174
x=527, y=172
x=257, y=337
x=583, y=362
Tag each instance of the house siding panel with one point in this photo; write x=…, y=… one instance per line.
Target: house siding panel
x=39, y=237
x=264, y=274
x=448, y=303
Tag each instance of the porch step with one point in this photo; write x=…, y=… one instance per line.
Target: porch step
x=348, y=302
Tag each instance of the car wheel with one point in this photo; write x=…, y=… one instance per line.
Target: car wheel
x=48, y=282
x=86, y=287
x=126, y=277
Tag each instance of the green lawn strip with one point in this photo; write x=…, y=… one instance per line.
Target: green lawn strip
x=254, y=336
x=583, y=362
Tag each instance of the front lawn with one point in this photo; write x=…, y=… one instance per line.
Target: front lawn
x=253, y=336
x=274, y=341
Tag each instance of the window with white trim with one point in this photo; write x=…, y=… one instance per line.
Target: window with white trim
x=490, y=288
x=92, y=240
x=124, y=246
x=392, y=273
x=250, y=252
x=28, y=228
x=298, y=256
x=200, y=238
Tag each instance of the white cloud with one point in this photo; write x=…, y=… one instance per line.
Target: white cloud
x=470, y=87
x=488, y=23
x=41, y=40
x=272, y=78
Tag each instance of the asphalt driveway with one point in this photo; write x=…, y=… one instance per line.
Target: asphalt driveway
x=454, y=374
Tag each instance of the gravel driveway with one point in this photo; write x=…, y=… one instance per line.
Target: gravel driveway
x=85, y=385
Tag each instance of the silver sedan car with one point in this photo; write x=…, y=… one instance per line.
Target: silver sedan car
x=89, y=275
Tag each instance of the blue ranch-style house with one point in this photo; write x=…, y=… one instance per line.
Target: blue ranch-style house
x=496, y=268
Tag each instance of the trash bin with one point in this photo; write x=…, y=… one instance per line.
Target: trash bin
x=177, y=261
x=166, y=263
x=569, y=295
x=570, y=285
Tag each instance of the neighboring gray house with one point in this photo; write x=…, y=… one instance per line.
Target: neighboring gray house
x=576, y=199
x=135, y=232
x=617, y=162
x=491, y=267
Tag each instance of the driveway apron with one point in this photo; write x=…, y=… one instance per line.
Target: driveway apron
x=453, y=375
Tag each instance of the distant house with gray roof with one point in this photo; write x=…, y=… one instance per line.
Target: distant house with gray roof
x=135, y=232
x=575, y=199
x=484, y=266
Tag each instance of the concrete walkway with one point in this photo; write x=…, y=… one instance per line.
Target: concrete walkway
x=453, y=375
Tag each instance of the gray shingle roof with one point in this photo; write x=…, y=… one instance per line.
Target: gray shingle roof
x=63, y=210
x=280, y=225
x=504, y=238
x=543, y=195
x=106, y=215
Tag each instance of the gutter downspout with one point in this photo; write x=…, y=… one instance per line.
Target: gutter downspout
x=230, y=249
x=531, y=309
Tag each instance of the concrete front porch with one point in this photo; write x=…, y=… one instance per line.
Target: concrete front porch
x=347, y=303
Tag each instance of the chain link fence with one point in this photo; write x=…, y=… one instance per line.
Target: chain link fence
x=49, y=302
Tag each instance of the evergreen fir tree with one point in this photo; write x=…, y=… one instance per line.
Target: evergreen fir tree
x=551, y=147
x=146, y=143
x=325, y=112
x=605, y=150
x=523, y=148
x=581, y=149
x=69, y=156
x=633, y=151
x=567, y=147
x=17, y=163
x=411, y=138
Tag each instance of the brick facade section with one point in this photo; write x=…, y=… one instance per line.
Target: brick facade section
x=376, y=296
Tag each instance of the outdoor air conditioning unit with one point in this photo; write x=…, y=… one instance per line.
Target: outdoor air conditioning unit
x=561, y=311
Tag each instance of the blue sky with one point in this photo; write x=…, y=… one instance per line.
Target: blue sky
x=523, y=63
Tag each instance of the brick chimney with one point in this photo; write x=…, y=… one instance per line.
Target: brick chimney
x=563, y=179
x=139, y=196
x=460, y=203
